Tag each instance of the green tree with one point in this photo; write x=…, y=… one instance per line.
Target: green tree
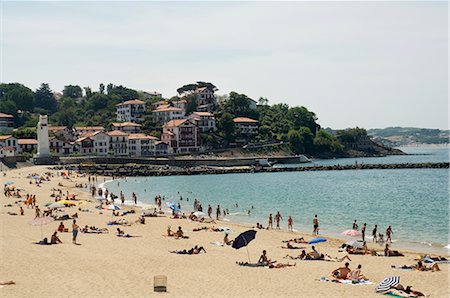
x=123, y=93
x=187, y=88
x=191, y=103
x=226, y=126
x=22, y=96
x=300, y=116
x=25, y=133
x=238, y=104
x=98, y=101
x=72, y=91
x=88, y=92
x=45, y=99
x=325, y=142
x=101, y=88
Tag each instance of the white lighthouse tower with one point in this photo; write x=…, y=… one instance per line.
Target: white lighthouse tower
x=43, y=149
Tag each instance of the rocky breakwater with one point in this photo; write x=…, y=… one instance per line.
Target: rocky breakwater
x=150, y=170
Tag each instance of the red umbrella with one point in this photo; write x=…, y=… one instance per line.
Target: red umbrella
x=353, y=233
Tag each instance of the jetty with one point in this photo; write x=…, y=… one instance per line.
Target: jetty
x=153, y=170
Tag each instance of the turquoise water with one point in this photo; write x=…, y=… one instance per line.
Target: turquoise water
x=414, y=201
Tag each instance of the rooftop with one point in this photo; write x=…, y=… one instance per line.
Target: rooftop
x=3, y=115
x=131, y=102
x=123, y=124
x=27, y=141
x=166, y=109
x=2, y=138
x=174, y=123
x=116, y=133
x=244, y=120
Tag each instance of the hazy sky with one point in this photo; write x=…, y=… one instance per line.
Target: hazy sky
x=367, y=64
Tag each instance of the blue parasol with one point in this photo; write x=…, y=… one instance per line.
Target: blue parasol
x=317, y=240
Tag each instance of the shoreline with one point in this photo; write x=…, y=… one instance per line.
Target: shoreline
x=407, y=246
x=130, y=264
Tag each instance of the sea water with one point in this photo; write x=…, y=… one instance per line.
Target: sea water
x=414, y=201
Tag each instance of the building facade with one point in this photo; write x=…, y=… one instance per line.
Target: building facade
x=6, y=122
x=131, y=111
x=166, y=113
x=205, y=121
x=246, y=126
x=181, y=136
x=118, y=143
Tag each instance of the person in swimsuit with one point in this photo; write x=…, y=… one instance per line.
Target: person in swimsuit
x=290, y=223
x=363, y=232
x=278, y=218
x=341, y=272
x=270, y=221
x=389, y=234
x=55, y=239
x=74, y=231
x=315, y=225
x=374, y=234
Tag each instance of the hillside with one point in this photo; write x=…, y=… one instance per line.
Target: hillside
x=400, y=136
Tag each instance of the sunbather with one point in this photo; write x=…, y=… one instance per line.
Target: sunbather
x=55, y=239
x=421, y=267
x=391, y=253
x=281, y=265
x=263, y=259
x=226, y=241
x=356, y=275
x=314, y=254
x=296, y=240
x=341, y=272
x=301, y=256
x=290, y=246
x=331, y=259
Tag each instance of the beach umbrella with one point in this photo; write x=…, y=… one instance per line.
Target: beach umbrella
x=8, y=183
x=317, y=240
x=353, y=233
x=387, y=283
x=66, y=202
x=199, y=214
x=243, y=240
x=172, y=206
x=40, y=221
x=56, y=205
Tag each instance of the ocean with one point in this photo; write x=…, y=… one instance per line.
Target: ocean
x=414, y=201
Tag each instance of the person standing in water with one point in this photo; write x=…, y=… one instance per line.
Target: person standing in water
x=209, y=210
x=290, y=223
x=270, y=221
x=278, y=218
x=315, y=225
x=355, y=225
x=363, y=232
x=218, y=213
x=374, y=234
x=389, y=234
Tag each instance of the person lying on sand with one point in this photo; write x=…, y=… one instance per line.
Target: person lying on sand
x=341, y=272
x=281, y=265
x=199, y=229
x=400, y=291
x=331, y=259
x=121, y=233
x=421, y=267
x=296, y=240
x=290, y=246
x=193, y=251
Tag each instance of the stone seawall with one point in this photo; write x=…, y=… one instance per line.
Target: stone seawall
x=150, y=170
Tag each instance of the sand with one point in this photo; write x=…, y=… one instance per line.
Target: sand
x=106, y=265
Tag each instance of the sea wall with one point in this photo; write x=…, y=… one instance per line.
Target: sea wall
x=150, y=170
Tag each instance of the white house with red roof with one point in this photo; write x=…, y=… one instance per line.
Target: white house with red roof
x=60, y=147
x=166, y=113
x=181, y=135
x=246, y=126
x=27, y=145
x=131, y=110
x=118, y=143
x=140, y=144
x=10, y=142
x=205, y=121
x=129, y=127
x=206, y=100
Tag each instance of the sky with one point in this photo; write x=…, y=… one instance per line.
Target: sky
x=365, y=64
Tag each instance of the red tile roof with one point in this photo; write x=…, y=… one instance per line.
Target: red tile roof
x=116, y=133
x=244, y=120
x=27, y=142
x=131, y=102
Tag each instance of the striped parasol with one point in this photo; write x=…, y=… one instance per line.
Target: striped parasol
x=388, y=283
x=40, y=221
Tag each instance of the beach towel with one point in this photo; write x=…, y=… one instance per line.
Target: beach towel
x=347, y=281
x=218, y=243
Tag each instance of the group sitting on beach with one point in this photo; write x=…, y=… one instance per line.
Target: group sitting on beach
x=420, y=266
x=346, y=273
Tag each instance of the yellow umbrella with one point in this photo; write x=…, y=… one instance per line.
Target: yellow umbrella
x=66, y=202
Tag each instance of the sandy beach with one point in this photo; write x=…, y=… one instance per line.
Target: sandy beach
x=107, y=265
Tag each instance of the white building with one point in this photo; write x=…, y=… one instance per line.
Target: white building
x=7, y=151
x=60, y=147
x=131, y=110
x=206, y=100
x=129, y=127
x=60, y=131
x=101, y=143
x=204, y=120
x=161, y=148
x=6, y=122
x=118, y=143
x=166, y=113
x=246, y=126
x=9, y=142
x=27, y=145
x=43, y=148
x=140, y=144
